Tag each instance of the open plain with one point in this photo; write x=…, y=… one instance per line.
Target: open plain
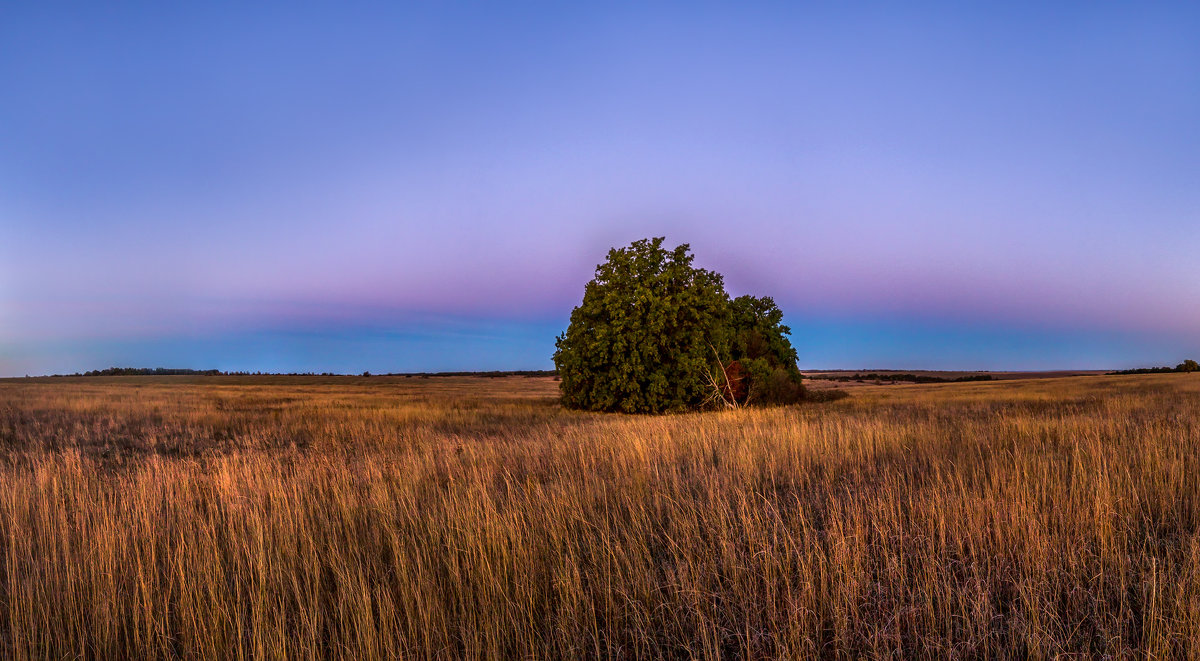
x=308, y=517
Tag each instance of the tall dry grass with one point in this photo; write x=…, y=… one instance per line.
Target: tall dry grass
x=308, y=518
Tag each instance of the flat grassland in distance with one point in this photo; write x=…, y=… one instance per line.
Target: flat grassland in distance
x=845, y=378
x=473, y=518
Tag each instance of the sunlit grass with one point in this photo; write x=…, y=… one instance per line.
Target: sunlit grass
x=452, y=518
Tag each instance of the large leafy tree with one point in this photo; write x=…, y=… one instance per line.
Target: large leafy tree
x=655, y=333
x=647, y=333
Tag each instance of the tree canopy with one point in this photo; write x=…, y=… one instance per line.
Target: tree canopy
x=655, y=333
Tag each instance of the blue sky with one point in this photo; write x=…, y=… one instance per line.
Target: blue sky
x=403, y=187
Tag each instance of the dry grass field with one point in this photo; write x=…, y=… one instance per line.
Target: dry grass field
x=473, y=518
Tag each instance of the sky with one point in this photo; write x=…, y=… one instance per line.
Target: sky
x=428, y=186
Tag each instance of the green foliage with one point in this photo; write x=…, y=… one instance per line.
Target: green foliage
x=759, y=331
x=644, y=337
x=654, y=334
x=1188, y=365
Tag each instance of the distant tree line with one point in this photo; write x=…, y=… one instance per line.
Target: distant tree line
x=178, y=371
x=152, y=371
x=1188, y=365
x=489, y=374
x=909, y=378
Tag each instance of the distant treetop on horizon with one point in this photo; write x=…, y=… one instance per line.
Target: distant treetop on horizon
x=1188, y=365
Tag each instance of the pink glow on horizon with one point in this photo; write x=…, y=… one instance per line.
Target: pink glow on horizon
x=179, y=174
